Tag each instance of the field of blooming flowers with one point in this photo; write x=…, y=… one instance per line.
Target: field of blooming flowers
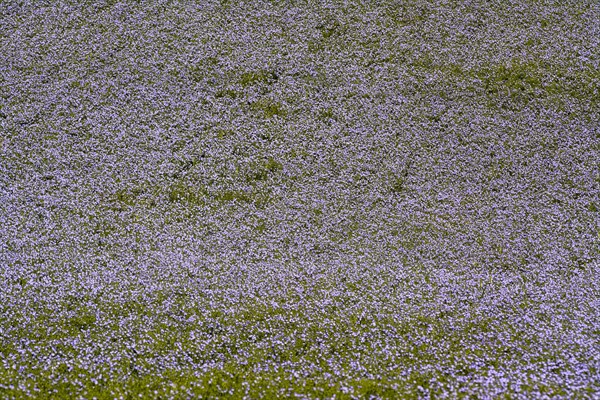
x=299, y=199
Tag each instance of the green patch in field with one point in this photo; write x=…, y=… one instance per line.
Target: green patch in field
x=273, y=165
x=259, y=77
x=181, y=193
x=224, y=133
x=521, y=82
x=516, y=78
x=84, y=320
x=398, y=184
x=126, y=196
x=231, y=195
x=327, y=115
x=330, y=28
x=259, y=198
x=268, y=108
x=261, y=171
x=229, y=93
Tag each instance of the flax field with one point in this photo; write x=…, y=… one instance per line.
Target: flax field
x=300, y=199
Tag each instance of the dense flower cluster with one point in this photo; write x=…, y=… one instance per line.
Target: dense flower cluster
x=299, y=199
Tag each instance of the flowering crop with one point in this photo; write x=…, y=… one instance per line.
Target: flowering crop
x=299, y=199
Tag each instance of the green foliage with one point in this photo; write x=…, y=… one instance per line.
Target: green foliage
x=273, y=165
x=522, y=82
x=269, y=108
x=230, y=93
x=125, y=197
x=130, y=377
x=258, y=198
x=231, y=195
x=258, y=77
x=330, y=28
x=516, y=79
x=182, y=193
x=83, y=320
x=261, y=227
x=223, y=133
x=397, y=185
x=327, y=114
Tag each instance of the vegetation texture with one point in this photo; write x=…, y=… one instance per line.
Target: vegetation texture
x=299, y=199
